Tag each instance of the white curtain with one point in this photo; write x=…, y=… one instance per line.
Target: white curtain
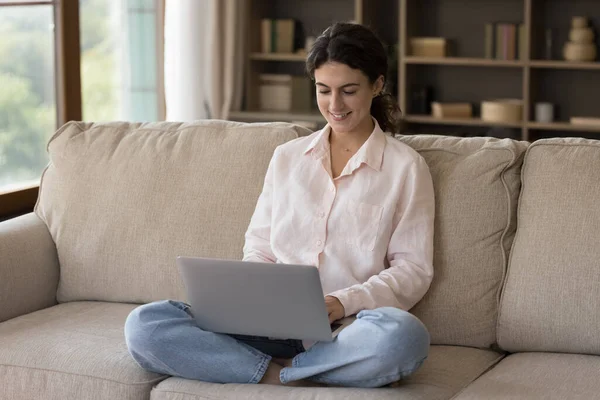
x=204, y=58
x=227, y=33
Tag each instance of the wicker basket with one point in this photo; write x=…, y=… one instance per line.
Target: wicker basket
x=502, y=110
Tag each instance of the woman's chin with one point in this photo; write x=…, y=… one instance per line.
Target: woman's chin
x=340, y=126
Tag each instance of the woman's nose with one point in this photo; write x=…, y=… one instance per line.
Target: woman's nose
x=337, y=103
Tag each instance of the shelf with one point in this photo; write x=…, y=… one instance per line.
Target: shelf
x=427, y=119
x=274, y=116
x=563, y=126
x=464, y=61
x=557, y=64
x=293, y=57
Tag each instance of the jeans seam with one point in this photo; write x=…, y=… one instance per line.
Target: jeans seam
x=262, y=368
x=295, y=359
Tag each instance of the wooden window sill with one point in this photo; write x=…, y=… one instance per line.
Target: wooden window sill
x=20, y=201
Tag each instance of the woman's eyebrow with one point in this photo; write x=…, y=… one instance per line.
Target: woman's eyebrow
x=343, y=86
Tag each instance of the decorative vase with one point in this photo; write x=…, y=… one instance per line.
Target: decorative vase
x=581, y=46
x=580, y=51
x=581, y=35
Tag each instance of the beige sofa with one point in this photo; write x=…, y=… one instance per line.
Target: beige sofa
x=513, y=312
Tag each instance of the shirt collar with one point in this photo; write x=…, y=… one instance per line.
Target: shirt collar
x=370, y=153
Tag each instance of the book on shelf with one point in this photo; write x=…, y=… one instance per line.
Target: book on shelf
x=278, y=35
x=505, y=41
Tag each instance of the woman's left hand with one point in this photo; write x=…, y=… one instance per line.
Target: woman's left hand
x=335, y=309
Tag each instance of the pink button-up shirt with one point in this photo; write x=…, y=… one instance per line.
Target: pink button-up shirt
x=369, y=231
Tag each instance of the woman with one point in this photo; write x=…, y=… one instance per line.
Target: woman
x=349, y=199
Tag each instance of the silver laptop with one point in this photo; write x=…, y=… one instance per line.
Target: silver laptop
x=279, y=301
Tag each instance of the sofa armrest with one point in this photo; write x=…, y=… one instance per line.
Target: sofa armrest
x=29, y=268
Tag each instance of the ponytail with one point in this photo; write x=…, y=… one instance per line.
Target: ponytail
x=385, y=110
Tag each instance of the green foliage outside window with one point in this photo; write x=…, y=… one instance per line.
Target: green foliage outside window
x=27, y=83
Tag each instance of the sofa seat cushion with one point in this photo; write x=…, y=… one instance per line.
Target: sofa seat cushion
x=447, y=370
x=477, y=183
x=123, y=200
x=538, y=376
x=71, y=351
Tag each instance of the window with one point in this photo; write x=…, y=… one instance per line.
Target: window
x=27, y=91
x=48, y=74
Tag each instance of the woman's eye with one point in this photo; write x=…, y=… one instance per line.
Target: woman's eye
x=328, y=91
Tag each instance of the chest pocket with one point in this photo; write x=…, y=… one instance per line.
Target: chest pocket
x=363, y=221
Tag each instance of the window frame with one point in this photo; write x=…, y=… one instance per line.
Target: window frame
x=68, y=88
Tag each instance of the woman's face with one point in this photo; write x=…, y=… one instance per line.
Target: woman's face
x=344, y=96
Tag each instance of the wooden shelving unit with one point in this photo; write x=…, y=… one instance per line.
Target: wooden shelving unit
x=564, y=65
x=464, y=61
x=427, y=119
x=531, y=79
x=563, y=126
x=574, y=87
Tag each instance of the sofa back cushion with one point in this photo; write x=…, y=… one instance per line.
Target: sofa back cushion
x=477, y=183
x=552, y=292
x=122, y=200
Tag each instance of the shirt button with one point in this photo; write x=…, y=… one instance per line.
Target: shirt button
x=321, y=214
x=332, y=189
x=319, y=243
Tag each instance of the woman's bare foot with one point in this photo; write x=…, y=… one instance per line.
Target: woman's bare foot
x=284, y=362
x=271, y=376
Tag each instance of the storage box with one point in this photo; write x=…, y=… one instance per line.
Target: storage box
x=451, y=110
x=502, y=110
x=428, y=47
x=283, y=92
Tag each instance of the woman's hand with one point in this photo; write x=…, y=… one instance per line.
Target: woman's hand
x=335, y=309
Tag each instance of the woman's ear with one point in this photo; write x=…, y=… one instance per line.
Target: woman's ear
x=378, y=86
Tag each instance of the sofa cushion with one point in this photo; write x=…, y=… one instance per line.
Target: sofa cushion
x=446, y=371
x=122, y=200
x=71, y=351
x=477, y=183
x=552, y=293
x=544, y=376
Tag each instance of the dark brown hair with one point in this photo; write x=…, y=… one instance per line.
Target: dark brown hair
x=359, y=48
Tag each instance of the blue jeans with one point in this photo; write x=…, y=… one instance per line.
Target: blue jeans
x=380, y=347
